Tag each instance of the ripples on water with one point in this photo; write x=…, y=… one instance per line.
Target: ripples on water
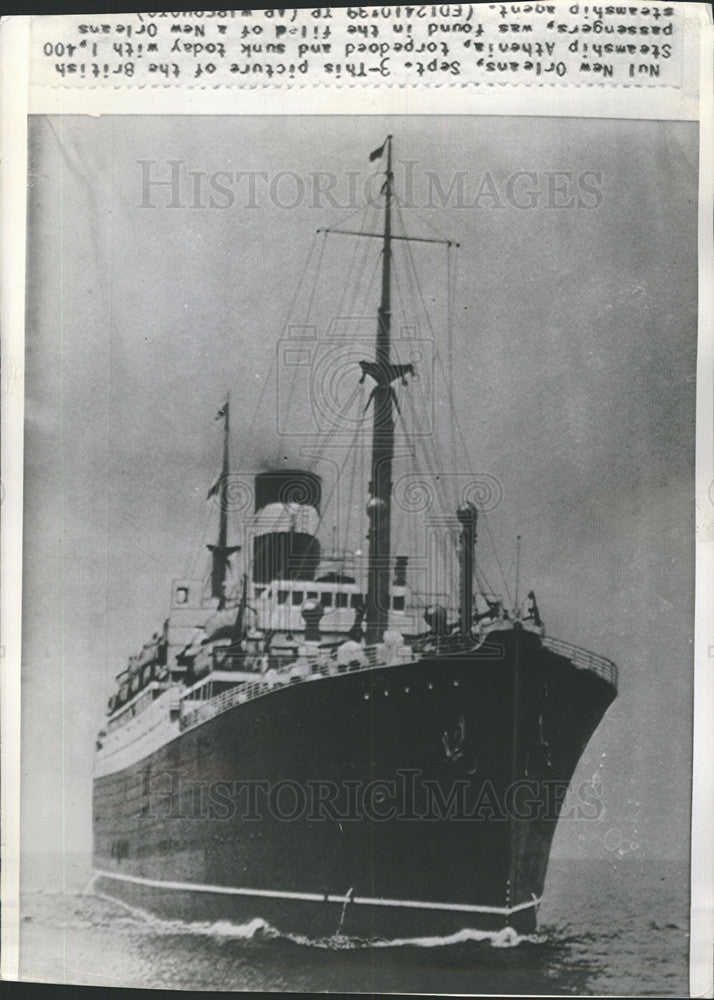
x=603, y=930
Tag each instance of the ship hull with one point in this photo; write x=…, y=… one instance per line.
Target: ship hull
x=401, y=801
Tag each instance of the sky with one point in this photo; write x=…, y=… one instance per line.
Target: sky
x=573, y=360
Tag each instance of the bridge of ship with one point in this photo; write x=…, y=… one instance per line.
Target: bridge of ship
x=279, y=605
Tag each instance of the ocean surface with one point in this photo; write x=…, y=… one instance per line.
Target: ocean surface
x=617, y=927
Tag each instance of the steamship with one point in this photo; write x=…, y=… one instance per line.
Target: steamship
x=332, y=742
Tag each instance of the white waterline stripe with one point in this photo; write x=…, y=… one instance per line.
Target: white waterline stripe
x=316, y=897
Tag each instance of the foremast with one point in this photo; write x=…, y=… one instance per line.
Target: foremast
x=380, y=487
x=222, y=551
x=384, y=374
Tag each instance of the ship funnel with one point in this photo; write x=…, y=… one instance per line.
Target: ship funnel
x=287, y=514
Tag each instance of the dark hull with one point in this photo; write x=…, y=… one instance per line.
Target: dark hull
x=458, y=837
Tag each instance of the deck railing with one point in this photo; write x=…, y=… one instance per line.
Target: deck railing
x=314, y=666
x=583, y=659
x=294, y=671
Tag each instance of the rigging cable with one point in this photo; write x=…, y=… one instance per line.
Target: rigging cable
x=440, y=540
x=431, y=462
x=454, y=413
x=308, y=311
x=412, y=281
x=351, y=268
x=328, y=500
x=273, y=365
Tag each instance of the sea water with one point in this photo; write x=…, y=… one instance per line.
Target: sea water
x=605, y=927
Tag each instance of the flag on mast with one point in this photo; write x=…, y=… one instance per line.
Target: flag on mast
x=222, y=412
x=377, y=153
x=216, y=486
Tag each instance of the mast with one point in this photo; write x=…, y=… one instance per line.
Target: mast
x=379, y=508
x=467, y=515
x=384, y=374
x=221, y=552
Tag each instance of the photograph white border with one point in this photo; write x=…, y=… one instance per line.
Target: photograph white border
x=14, y=42
x=701, y=942
x=18, y=99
